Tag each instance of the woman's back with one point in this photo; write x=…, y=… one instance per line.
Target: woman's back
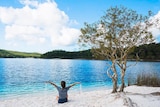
x=63, y=92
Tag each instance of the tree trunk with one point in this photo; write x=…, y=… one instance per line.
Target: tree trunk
x=122, y=81
x=123, y=70
x=114, y=80
x=114, y=77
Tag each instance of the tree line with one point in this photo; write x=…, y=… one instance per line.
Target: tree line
x=149, y=52
x=86, y=54
x=146, y=52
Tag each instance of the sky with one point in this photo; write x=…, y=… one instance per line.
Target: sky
x=46, y=25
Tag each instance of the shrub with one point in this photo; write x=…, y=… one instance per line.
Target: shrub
x=148, y=79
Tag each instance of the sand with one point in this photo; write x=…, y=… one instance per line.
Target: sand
x=133, y=96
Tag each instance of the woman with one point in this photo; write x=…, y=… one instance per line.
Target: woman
x=63, y=96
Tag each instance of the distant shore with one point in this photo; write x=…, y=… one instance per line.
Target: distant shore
x=134, y=96
x=146, y=52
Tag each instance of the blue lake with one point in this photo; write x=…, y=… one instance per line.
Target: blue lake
x=26, y=75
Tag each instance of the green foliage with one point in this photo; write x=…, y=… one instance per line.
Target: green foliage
x=15, y=54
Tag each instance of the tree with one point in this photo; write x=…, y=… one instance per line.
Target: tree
x=114, y=37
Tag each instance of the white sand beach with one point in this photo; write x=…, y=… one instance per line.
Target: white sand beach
x=134, y=96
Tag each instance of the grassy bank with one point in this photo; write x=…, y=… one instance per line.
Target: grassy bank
x=146, y=79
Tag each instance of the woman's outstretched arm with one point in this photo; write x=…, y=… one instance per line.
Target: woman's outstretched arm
x=52, y=83
x=74, y=84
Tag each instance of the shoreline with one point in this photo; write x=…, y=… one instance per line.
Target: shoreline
x=140, y=60
x=134, y=96
x=77, y=89
x=50, y=89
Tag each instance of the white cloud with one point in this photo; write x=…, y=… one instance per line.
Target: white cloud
x=38, y=23
x=156, y=29
x=33, y=3
x=65, y=38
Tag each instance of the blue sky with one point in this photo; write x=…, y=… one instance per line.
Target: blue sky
x=45, y=25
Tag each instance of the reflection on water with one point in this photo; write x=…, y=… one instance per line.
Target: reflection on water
x=28, y=75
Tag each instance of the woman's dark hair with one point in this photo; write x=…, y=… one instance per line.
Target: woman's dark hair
x=63, y=84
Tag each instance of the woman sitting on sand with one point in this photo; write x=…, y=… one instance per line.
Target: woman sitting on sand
x=63, y=96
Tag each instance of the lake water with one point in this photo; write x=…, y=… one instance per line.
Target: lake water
x=27, y=75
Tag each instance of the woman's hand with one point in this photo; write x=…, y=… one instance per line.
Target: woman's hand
x=77, y=83
x=48, y=82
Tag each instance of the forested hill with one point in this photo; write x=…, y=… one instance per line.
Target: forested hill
x=16, y=54
x=150, y=52
x=68, y=55
x=146, y=52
